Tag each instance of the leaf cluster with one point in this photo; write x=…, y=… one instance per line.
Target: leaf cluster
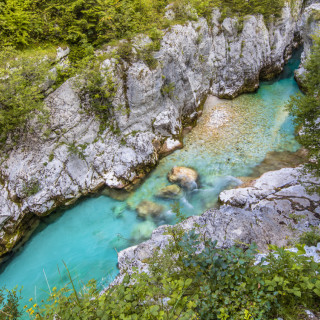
x=22, y=85
x=9, y=304
x=306, y=108
x=194, y=279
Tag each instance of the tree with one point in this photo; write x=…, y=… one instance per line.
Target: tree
x=306, y=108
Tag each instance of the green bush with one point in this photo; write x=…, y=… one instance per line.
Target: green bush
x=183, y=283
x=23, y=23
x=305, y=108
x=22, y=79
x=310, y=238
x=97, y=88
x=9, y=304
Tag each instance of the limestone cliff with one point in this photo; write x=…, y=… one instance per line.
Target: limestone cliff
x=72, y=159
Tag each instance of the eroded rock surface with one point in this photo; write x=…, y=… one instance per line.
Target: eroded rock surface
x=276, y=208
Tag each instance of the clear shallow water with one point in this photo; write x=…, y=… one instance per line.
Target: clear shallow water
x=230, y=140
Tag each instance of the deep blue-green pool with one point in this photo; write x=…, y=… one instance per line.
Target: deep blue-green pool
x=232, y=137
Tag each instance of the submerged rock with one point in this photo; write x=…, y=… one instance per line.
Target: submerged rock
x=143, y=230
x=170, y=192
x=120, y=195
x=148, y=208
x=185, y=177
x=118, y=210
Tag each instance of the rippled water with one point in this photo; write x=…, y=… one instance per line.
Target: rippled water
x=231, y=139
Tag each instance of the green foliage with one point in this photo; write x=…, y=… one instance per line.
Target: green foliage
x=146, y=54
x=77, y=149
x=187, y=283
x=306, y=109
x=176, y=208
x=9, y=304
x=168, y=89
x=92, y=22
x=31, y=187
x=22, y=79
x=310, y=238
x=124, y=50
x=97, y=88
x=76, y=21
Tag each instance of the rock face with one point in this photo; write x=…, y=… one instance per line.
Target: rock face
x=276, y=208
x=69, y=158
x=308, y=25
x=148, y=208
x=170, y=192
x=185, y=177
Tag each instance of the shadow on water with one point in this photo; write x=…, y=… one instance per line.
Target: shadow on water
x=290, y=67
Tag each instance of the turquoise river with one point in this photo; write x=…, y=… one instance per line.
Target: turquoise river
x=229, y=143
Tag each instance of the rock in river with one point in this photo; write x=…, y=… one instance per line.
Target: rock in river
x=143, y=230
x=147, y=208
x=185, y=177
x=170, y=192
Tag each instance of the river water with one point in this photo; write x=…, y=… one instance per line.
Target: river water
x=230, y=140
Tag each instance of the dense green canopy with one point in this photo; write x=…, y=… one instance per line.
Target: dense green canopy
x=25, y=22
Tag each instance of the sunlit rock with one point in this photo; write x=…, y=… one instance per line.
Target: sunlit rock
x=185, y=177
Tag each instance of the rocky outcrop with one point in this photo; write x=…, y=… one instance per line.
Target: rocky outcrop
x=308, y=26
x=276, y=208
x=56, y=164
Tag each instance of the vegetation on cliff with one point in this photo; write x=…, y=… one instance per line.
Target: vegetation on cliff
x=306, y=108
x=80, y=22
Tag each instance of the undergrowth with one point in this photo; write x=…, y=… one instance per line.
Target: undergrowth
x=192, y=278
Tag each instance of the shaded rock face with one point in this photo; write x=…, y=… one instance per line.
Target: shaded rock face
x=73, y=159
x=276, y=208
x=147, y=208
x=185, y=177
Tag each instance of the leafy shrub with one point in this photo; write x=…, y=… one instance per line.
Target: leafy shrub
x=97, y=88
x=215, y=283
x=124, y=50
x=9, y=304
x=146, y=54
x=168, y=89
x=31, y=187
x=310, y=238
x=22, y=79
x=305, y=108
x=23, y=23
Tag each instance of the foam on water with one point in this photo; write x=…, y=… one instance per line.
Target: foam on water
x=230, y=140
